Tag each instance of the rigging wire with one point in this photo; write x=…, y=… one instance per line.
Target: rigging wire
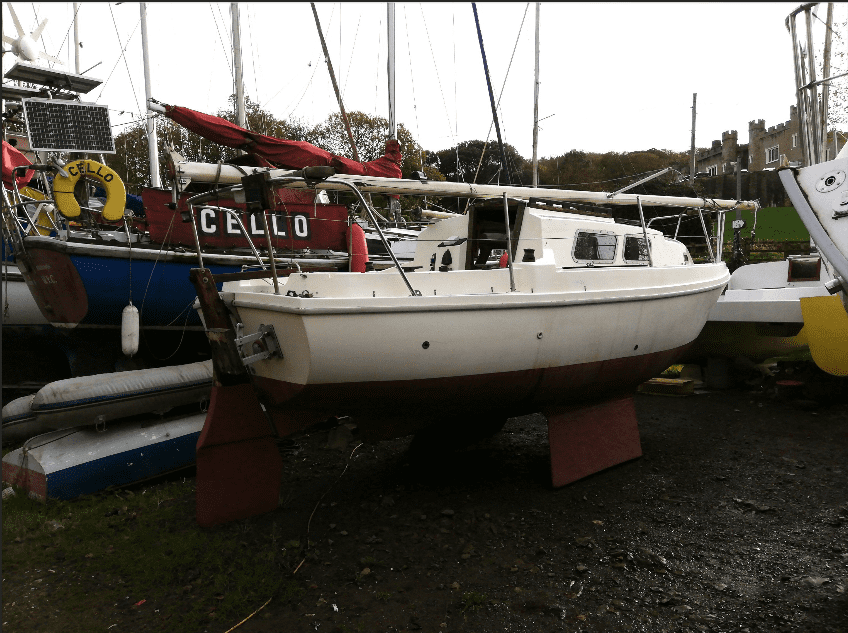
x=221, y=39
x=126, y=63
x=377, y=67
x=830, y=28
x=305, y=90
x=350, y=62
x=68, y=32
x=412, y=80
x=264, y=121
x=309, y=83
x=118, y=61
x=435, y=66
x=43, y=43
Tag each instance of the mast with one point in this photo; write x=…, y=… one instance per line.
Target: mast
x=240, y=116
x=152, y=139
x=536, y=106
x=335, y=85
x=76, y=40
x=394, y=203
x=692, y=163
x=390, y=64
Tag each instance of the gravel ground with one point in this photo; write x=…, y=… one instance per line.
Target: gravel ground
x=735, y=519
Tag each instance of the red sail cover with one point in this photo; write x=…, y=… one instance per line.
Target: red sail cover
x=13, y=158
x=286, y=154
x=295, y=223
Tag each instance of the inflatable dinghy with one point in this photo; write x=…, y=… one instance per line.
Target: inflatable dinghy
x=95, y=400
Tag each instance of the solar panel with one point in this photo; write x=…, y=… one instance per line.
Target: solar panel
x=68, y=126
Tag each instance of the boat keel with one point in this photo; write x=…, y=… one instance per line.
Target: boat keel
x=588, y=439
x=239, y=467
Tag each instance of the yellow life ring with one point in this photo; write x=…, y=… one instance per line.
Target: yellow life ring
x=116, y=194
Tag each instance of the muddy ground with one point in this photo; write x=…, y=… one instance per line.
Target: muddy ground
x=735, y=519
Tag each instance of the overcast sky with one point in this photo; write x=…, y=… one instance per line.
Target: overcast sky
x=614, y=77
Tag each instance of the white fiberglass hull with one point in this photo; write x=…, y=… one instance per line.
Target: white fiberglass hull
x=563, y=335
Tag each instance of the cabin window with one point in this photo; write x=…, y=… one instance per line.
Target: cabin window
x=804, y=269
x=635, y=249
x=772, y=154
x=596, y=247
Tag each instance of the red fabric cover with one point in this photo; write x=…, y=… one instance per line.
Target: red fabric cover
x=290, y=154
x=13, y=158
x=503, y=262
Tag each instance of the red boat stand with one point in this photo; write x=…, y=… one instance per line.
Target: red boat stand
x=239, y=468
x=587, y=439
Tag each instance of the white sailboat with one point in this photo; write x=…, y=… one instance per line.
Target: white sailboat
x=590, y=309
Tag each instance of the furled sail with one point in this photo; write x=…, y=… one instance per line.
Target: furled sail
x=283, y=153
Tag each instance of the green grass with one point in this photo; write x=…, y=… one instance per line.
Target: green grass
x=773, y=223
x=124, y=547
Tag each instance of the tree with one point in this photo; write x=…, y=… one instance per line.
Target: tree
x=459, y=163
x=604, y=172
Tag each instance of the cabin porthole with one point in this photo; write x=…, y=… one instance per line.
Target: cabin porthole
x=635, y=348
x=425, y=344
x=539, y=335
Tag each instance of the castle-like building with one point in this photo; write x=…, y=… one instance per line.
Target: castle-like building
x=764, y=148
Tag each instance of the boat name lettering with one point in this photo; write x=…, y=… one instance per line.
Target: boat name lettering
x=82, y=167
x=48, y=279
x=43, y=267
x=280, y=224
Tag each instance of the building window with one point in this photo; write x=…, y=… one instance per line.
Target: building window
x=772, y=154
x=827, y=154
x=795, y=140
x=724, y=168
x=712, y=170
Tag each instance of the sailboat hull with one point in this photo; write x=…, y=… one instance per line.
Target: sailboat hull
x=425, y=357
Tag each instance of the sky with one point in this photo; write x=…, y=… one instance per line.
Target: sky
x=613, y=77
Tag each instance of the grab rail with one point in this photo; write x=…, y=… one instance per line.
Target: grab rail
x=310, y=177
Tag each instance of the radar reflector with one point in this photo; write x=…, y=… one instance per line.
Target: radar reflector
x=68, y=126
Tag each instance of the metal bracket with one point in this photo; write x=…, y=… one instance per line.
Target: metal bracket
x=264, y=339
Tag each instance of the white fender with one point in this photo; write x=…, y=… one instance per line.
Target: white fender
x=129, y=330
